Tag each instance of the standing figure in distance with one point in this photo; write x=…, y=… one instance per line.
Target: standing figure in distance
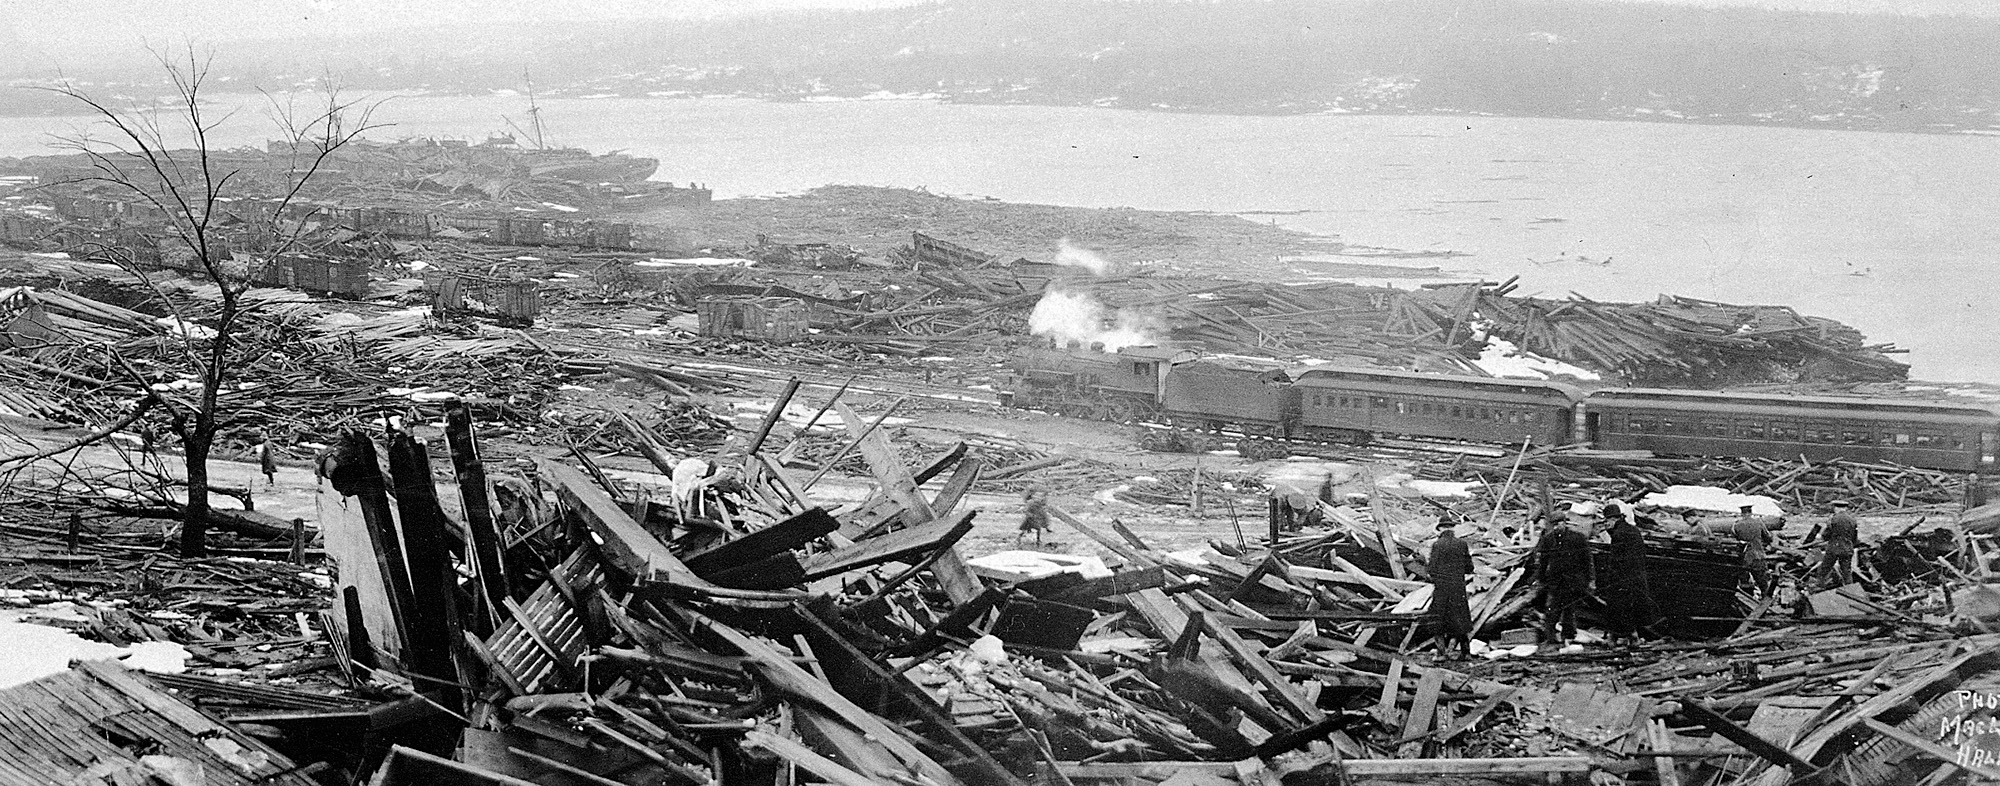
x=1840, y=537
x=1564, y=564
x=1756, y=537
x=267, y=458
x=1034, y=516
x=1450, y=561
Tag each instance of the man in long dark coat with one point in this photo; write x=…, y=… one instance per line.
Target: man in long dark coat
x=1563, y=561
x=1450, y=562
x=1628, y=597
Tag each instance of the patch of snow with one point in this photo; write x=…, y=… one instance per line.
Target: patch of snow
x=1712, y=499
x=1037, y=564
x=29, y=651
x=1405, y=482
x=1305, y=475
x=696, y=262
x=1502, y=359
x=1130, y=645
x=185, y=329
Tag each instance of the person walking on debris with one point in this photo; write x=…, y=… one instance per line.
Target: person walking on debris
x=1838, y=540
x=267, y=458
x=1449, y=563
x=1756, y=537
x=1563, y=562
x=1628, y=596
x=1034, y=517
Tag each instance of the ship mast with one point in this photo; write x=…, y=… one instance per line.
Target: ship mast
x=534, y=116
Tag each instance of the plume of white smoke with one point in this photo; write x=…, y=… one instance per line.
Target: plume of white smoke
x=1072, y=255
x=1076, y=316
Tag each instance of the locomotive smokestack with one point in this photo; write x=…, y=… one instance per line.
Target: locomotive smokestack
x=1097, y=346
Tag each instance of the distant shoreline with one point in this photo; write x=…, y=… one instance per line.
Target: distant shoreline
x=1852, y=124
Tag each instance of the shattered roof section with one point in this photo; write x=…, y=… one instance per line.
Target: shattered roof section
x=99, y=722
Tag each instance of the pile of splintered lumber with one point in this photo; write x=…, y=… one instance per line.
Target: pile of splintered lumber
x=1673, y=341
x=568, y=627
x=733, y=630
x=297, y=374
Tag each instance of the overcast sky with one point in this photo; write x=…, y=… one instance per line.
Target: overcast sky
x=55, y=26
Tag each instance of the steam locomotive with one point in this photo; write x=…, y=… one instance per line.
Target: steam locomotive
x=1272, y=404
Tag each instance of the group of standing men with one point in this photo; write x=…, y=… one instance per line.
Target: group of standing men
x=1568, y=575
x=1564, y=563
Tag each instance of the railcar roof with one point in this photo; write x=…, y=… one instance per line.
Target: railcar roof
x=1569, y=391
x=1615, y=395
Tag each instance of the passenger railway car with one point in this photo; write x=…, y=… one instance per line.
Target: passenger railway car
x=1342, y=404
x=1922, y=434
x=1269, y=403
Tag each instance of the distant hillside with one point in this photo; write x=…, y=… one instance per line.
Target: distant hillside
x=1546, y=58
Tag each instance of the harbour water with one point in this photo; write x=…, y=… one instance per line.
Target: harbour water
x=1892, y=233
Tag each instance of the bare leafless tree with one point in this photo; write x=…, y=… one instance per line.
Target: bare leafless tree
x=167, y=157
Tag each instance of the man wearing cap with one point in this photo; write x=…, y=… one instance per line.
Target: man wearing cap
x=1564, y=565
x=1838, y=541
x=1756, y=537
x=1449, y=563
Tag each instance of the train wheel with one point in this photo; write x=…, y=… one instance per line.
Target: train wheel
x=1121, y=411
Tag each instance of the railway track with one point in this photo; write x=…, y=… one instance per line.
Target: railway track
x=1389, y=448
x=778, y=372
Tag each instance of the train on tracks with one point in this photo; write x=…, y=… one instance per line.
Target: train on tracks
x=1271, y=406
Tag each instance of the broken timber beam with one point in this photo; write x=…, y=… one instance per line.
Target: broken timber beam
x=893, y=546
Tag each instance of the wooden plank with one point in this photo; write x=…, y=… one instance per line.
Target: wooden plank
x=1120, y=583
x=797, y=753
x=1423, y=710
x=889, y=470
x=1117, y=547
x=787, y=677
x=1259, y=668
x=1764, y=749
x=1385, y=707
x=769, y=541
x=956, y=487
x=475, y=495
x=895, y=545
x=351, y=544
x=629, y=546
x=1369, y=768
x=1659, y=739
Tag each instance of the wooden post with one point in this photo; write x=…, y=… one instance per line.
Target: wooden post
x=473, y=492
x=75, y=531
x=1272, y=505
x=1194, y=492
x=771, y=418
x=298, y=541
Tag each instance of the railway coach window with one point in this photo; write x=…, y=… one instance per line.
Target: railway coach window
x=1789, y=433
x=1458, y=412
x=1715, y=428
x=1378, y=402
x=1641, y=424
x=1750, y=429
x=1854, y=437
x=1927, y=440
